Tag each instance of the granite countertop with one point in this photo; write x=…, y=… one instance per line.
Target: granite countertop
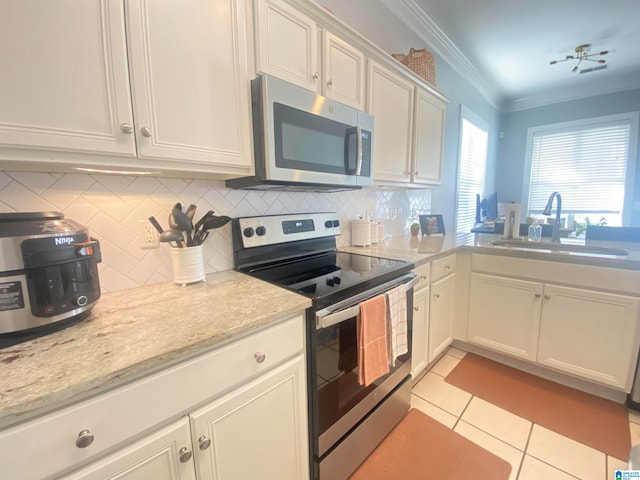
x=422, y=250
x=132, y=333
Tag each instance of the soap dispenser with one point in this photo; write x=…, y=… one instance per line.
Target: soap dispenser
x=535, y=231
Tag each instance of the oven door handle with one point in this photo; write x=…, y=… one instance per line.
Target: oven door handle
x=336, y=314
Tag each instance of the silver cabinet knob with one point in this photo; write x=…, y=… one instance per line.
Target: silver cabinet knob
x=145, y=132
x=85, y=438
x=330, y=83
x=537, y=295
x=316, y=76
x=423, y=277
x=547, y=297
x=126, y=128
x=204, y=442
x=260, y=357
x=416, y=172
x=446, y=267
x=416, y=308
x=437, y=295
x=185, y=454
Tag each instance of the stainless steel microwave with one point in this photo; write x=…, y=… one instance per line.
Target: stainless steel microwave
x=304, y=141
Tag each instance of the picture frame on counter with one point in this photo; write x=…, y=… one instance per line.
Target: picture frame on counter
x=432, y=225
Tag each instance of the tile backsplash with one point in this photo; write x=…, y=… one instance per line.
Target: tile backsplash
x=111, y=207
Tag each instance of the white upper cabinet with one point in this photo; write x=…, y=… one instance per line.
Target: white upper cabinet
x=390, y=101
x=286, y=43
x=64, y=82
x=189, y=80
x=178, y=98
x=291, y=46
x=428, y=138
x=343, y=72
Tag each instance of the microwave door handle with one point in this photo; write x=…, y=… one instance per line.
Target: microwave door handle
x=359, y=150
x=347, y=164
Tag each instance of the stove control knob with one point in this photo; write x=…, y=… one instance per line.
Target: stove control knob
x=328, y=224
x=261, y=231
x=248, y=232
x=336, y=223
x=330, y=282
x=337, y=280
x=80, y=300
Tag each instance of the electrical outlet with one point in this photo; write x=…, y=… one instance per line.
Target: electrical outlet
x=147, y=235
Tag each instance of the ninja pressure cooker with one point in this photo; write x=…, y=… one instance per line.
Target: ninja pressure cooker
x=48, y=274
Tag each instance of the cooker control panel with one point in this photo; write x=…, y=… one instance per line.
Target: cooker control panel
x=273, y=229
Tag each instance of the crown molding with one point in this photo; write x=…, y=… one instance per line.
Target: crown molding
x=412, y=14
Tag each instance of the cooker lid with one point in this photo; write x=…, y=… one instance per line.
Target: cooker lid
x=19, y=224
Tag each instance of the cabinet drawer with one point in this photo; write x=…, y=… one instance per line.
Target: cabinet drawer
x=424, y=276
x=442, y=267
x=124, y=414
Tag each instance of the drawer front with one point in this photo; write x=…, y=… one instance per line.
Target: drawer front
x=442, y=267
x=424, y=276
x=117, y=417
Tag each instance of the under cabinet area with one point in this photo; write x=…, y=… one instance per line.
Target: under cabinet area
x=201, y=418
x=159, y=86
x=557, y=317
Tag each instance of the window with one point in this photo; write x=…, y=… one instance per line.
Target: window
x=587, y=162
x=474, y=133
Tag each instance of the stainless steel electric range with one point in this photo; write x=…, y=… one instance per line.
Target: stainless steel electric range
x=298, y=252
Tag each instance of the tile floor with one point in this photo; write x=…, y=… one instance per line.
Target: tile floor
x=534, y=452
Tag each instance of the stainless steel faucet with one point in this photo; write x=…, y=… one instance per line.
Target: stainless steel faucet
x=555, y=235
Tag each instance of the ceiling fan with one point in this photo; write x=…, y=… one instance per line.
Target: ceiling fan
x=582, y=54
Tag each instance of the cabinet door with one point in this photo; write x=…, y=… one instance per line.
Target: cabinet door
x=504, y=314
x=390, y=101
x=257, y=431
x=428, y=138
x=344, y=72
x=64, y=82
x=442, y=311
x=190, y=82
x=162, y=455
x=590, y=334
x=286, y=44
x=420, y=333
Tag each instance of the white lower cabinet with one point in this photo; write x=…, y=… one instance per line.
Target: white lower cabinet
x=504, y=314
x=163, y=455
x=583, y=332
x=589, y=334
x=257, y=431
x=420, y=334
x=441, y=315
x=237, y=412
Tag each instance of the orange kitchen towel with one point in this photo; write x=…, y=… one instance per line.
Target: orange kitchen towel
x=373, y=361
x=397, y=343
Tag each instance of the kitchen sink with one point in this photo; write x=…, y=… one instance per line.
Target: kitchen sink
x=560, y=247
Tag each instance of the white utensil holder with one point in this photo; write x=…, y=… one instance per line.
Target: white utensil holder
x=188, y=265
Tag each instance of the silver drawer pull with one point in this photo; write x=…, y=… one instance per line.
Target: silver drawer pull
x=204, y=442
x=85, y=438
x=185, y=454
x=260, y=357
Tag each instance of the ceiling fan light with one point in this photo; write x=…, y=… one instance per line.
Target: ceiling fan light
x=553, y=62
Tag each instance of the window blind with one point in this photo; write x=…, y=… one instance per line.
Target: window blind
x=473, y=155
x=587, y=165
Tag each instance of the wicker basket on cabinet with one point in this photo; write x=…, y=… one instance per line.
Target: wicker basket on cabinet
x=420, y=62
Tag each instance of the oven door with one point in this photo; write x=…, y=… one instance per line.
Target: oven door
x=339, y=401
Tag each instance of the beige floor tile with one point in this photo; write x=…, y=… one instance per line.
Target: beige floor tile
x=634, y=428
x=634, y=416
x=434, y=389
x=493, y=445
x=566, y=454
x=445, y=365
x=614, y=464
x=534, y=469
x=500, y=423
x=456, y=352
x=434, y=412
